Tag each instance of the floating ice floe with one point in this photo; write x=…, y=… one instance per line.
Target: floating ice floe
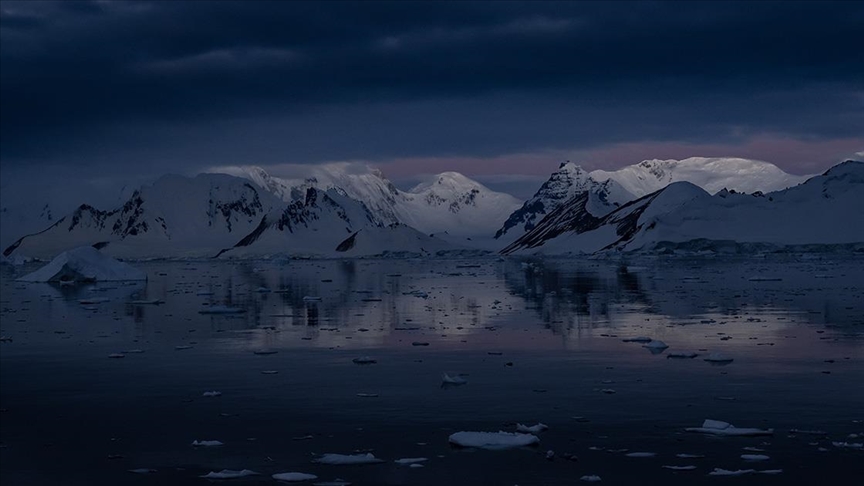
x=265, y=351
x=726, y=472
x=294, y=476
x=717, y=427
x=206, y=443
x=211, y=394
x=116, y=355
x=493, y=440
x=534, y=429
x=84, y=264
x=229, y=474
x=754, y=457
x=143, y=470
x=680, y=468
x=453, y=379
x=222, y=309
x=592, y=478
x=362, y=360
x=310, y=298
x=682, y=355
x=269, y=372
x=638, y=339
x=740, y=472
x=641, y=454
x=848, y=445
x=689, y=456
x=718, y=358
x=347, y=459
x=182, y=347
x=657, y=344
x=410, y=460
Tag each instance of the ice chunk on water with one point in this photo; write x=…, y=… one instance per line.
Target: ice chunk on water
x=364, y=360
x=493, y=440
x=453, y=379
x=658, y=345
x=310, y=298
x=593, y=478
x=294, y=476
x=410, y=460
x=718, y=358
x=718, y=427
x=211, y=394
x=534, y=429
x=346, y=459
x=725, y=472
x=142, y=470
x=848, y=445
x=206, y=443
x=680, y=468
x=754, y=457
x=641, y=454
x=229, y=474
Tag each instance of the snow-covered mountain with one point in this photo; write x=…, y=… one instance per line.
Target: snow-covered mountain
x=566, y=182
x=174, y=216
x=825, y=210
x=711, y=174
x=448, y=202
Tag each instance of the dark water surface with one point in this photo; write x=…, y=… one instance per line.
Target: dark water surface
x=536, y=341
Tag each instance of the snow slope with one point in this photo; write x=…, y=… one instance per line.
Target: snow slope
x=568, y=181
x=710, y=173
x=330, y=224
x=825, y=210
x=448, y=202
x=176, y=216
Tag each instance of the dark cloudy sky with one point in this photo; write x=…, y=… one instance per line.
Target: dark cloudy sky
x=492, y=89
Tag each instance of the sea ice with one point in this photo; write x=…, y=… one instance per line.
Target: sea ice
x=84, y=264
x=638, y=339
x=725, y=472
x=364, y=360
x=206, y=443
x=211, y=394
x=682, y=355
x=534, y=429
x=294, y=476
x=718, y=358
x=754, y=457
x=641, y=454
x=410, y=460
x=593, y=478
x=347, y=459
x=493, y=440
x=717, y=427
x=229, y=474
x=680, y=468
x=453, y=379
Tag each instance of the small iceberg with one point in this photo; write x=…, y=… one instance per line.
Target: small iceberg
x=493, y=440
x=229, y=474
x=211, y=394
x=410, y=460
x=363, y=360
x=754, y=457
x=347, y=459
x=592, y=478
x=656, y=347
x=534, y=429
x=222, y=309
x=84, y=264
x=718, y=358
x=717, y=427
x=452, y=380
x=725, y=472
x=206, y=443
x=680, y=468
x=641, y=454
x=143, y=470
x=294, y=476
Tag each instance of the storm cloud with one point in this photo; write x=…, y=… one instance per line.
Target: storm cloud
x=137, y=86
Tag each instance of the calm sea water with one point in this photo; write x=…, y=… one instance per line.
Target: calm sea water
x=537, y=341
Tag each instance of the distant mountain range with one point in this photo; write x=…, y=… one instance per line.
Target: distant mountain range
x=340, y=210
